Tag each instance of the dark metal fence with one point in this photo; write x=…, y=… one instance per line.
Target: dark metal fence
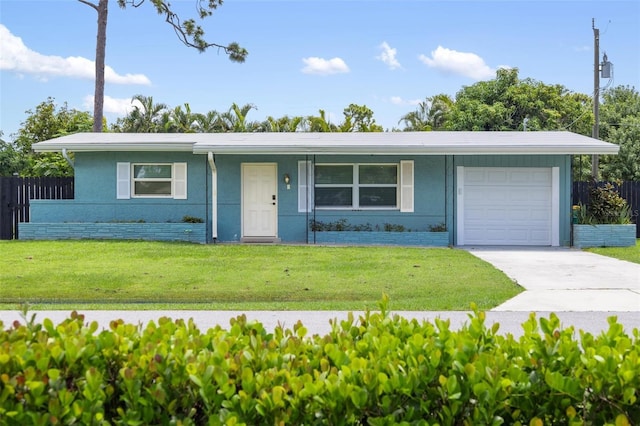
x=16, y=192
x=630, y=191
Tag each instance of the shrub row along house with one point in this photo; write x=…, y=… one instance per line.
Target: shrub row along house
x=475, y=188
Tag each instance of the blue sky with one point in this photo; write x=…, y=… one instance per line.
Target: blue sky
x=307, y=55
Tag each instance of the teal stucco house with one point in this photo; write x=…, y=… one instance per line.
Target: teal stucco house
x=473, y=188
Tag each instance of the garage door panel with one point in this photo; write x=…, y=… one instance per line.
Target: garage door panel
x=539, y=215
x=516, y=215
x=542, y=177
x=539, y=194
x=475, y=176
x=496, y=176
x=519, y=178
x=507, y=206
x=539, y=236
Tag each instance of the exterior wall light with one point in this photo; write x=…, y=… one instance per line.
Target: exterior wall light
x=287, y=180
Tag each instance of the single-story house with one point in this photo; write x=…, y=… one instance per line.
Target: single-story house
x=475, y=188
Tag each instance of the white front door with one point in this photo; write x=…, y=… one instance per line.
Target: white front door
x=259, y=200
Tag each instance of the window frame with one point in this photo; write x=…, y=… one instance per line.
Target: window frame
x=125, y=184
x=355, y=186
x=134, y=180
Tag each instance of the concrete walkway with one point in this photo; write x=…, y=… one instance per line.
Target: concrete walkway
x=562, y=279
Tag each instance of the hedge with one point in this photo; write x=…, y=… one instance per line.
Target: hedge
x=378, y=369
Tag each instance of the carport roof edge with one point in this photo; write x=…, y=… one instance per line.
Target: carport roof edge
x=371, y=143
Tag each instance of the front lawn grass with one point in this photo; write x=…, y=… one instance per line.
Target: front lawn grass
x=631, y=254
x=154, y=275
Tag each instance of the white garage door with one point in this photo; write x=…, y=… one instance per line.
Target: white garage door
x=506, y=206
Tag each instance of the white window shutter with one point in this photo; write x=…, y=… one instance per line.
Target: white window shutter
x=123, y=181
x=180, y=181
x=406, y=186
x=305, y=186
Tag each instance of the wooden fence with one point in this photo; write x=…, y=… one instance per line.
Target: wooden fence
x=16, y=192
x=630, y=191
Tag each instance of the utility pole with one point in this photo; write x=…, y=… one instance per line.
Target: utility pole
x=596, y=95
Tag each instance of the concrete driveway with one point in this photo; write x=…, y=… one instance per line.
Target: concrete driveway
x=563, y=279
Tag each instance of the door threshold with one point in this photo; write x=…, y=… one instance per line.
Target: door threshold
x=263, y=240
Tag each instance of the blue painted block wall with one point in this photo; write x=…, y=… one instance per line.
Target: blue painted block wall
x=585, y=236
x=185, y=232
x=424, y=239
x=293, y=226
x=95, y=194
x=434, y=192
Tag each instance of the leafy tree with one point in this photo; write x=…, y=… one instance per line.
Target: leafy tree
x=508, y=103
x=359, y=118
x=11, y=160
x=188, y=32
x=620, y=124
x=48, y=122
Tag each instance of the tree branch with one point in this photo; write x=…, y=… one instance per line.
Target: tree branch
x=190, y=34
x=88, y=3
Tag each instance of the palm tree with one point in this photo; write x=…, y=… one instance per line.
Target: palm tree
x=440, y=105
x=146, y=116
x=211, y=122
x=235, y=120
x=282, y=124
x=418, y=120
x=319, y=123
x=430, y=115
x=179, y=121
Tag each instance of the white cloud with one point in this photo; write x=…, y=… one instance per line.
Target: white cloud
x=18, y=58
x=461, y=63
x=397, y=100
x=119, y=107
x=315, y=65
x=388, y=56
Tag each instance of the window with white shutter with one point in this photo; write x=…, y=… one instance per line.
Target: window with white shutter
x=180, y=181
x=152, y=180
x=123, y=178
x=406, y=186
x=305, y=186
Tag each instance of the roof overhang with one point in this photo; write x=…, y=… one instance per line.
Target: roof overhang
x=379, y=143
x=112, y=142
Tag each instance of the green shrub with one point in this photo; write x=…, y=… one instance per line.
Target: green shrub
x=441, y=227
x=192, y=219
x=605, y=206
x=379, y=369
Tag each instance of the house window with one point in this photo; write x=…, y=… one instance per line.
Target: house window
x=151, y=180
x=366, y=186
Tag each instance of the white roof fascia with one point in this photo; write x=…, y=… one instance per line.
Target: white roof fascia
x=365, y=143
x=408, y=150
x=112, y=147
x=111, y=142
x=405, y=143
